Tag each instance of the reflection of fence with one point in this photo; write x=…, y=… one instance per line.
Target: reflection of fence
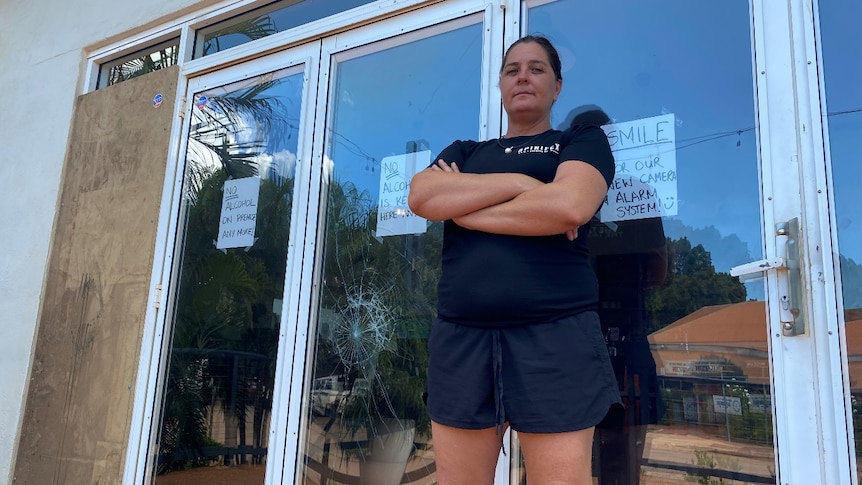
x=723, y=406
x=234, y=387
x=697, y=471
x=213, y=453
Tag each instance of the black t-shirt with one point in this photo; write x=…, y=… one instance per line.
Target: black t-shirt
x=495, y=281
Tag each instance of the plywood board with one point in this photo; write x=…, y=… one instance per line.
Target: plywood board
x=78, y=409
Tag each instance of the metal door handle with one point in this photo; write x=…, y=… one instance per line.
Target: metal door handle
x=787, y=271
x=757, y=267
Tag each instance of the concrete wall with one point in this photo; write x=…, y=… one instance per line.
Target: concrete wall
x=43, y=47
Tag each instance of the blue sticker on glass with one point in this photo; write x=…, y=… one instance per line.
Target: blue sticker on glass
x=202, y=101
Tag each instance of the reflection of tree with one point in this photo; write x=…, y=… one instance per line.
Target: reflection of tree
x=160, y=58
x=376, y=295
x=692, y=283
x=726, y=251
x=219, y=137
x=167, y=54
x=225, y=325
x=252, y=29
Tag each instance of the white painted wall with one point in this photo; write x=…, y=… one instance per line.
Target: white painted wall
x=43, y=47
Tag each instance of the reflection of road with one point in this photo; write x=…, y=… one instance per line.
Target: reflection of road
x=670, y=448
x=665, y=446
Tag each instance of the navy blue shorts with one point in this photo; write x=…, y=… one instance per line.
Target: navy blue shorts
x=543, y=378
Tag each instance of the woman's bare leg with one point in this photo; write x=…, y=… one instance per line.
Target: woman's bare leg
x=465, y=456
x=558, y=458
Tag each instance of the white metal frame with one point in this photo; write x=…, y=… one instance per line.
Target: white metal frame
x=157, y=336
x=808, y=398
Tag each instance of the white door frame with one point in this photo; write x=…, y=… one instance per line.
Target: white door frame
x=809, y=405
x=157, y=337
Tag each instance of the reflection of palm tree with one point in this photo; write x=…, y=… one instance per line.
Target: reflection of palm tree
x=152, y=61
x=253, y=29
x=167, y=54
x=224, y=121
x=226, y=326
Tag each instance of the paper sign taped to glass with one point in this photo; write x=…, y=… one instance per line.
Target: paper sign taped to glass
x=238, y=213
x=645, y=183
x=394, y=217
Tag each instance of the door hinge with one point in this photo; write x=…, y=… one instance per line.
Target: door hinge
x=158, y=297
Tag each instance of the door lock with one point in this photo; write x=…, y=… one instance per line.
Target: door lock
x=787, y=271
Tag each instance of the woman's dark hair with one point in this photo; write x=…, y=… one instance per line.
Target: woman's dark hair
x=543, y=41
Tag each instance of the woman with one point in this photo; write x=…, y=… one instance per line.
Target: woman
x=517, y=340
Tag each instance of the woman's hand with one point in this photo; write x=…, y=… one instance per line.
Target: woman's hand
x=559, y=207
x=442, y=191
x=442, y=166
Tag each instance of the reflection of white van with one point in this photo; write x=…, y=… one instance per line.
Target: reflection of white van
x=326, y=395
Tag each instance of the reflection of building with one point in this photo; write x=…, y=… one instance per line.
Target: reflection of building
x=735, y=332
x=853, y=332
x=713, y=369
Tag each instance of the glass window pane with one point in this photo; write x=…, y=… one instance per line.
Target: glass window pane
x=391, y=107
x=842, y=72
x=265, y=21
x=133, y=65
x=687, y=340
x=236, y=216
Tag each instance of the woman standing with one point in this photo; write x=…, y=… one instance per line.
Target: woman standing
x=517, y=340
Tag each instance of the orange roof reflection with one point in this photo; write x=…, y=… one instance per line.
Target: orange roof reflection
x=735, y=332
x=736, y=324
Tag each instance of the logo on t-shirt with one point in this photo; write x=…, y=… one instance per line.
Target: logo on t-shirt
x=552, y=148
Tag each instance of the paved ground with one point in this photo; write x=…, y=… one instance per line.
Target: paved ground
x=215, y=475
x=663, y=444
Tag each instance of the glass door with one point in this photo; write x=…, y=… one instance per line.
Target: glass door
x=392, y=104
x=241, y=190
x=673, y=80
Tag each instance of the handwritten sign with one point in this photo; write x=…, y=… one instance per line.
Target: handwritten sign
x=645, y=182
x=238, y=213
x=393, y=215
